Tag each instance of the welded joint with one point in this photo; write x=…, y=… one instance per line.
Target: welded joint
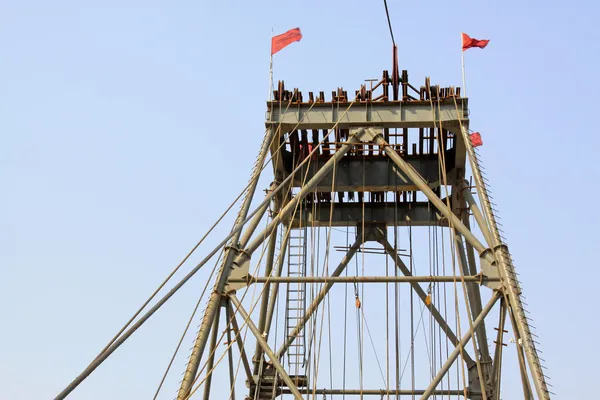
x=370, y=134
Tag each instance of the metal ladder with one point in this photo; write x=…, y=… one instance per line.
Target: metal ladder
x=295, y=305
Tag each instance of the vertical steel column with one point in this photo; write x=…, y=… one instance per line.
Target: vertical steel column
x=508, y=271
x=211, y=359
x=265, y=298
x=224, y=272
x=274, y=294
x=456, y=352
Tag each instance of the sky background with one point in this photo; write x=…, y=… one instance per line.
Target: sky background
x=128, y=127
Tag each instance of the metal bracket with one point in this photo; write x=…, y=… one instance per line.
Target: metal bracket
x=240, y=271
x=489, y=270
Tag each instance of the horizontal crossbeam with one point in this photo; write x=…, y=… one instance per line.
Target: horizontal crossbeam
x=388, y=213
x=365, y=279
x=417, y=114
x=372, y=174
x=378, y=392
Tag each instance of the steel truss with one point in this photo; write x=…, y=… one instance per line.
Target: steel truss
x=326, y=169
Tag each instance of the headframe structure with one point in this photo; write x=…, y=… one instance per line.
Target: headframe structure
x=373, y=163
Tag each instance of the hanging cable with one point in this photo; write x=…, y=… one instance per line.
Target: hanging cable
x=387, y=14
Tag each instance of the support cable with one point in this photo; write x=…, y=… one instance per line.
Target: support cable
x=186, y=328
x=387, y=14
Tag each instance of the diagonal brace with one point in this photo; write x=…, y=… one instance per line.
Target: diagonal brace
x=422, y=295
x=463, y=342
x=263, y=343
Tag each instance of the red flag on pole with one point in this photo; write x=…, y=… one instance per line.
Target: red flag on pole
x=280, y=41
x=468, y=42
x=476, y=139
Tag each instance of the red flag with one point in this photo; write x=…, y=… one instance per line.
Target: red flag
x=468, y=42
x=476, y=139
x=280, y=41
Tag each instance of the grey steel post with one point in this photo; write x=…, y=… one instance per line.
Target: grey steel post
x=320, y=296
x=422, y=295
x=265, y=297
x=508, y=271
x=211, y=359
x=225, y=270
x=286, y=378
x=275, y=292
x=455, y=353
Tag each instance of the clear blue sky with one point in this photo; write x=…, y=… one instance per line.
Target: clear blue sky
x=127, y=127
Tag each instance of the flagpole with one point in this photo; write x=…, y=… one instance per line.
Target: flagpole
x=271, y=69
x=462, y=59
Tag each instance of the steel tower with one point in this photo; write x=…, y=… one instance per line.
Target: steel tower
x=365, y=175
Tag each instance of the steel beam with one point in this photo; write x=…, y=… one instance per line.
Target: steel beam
x=265, y=296
x=364, y=279
x=238, y=338
x=377, y=114
x=483, y=226
x=388, y=213
x=372, y=174
x=456, y=352
x=275, y=292
x=259, y=338
x=378, y=392
x=211, y=359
